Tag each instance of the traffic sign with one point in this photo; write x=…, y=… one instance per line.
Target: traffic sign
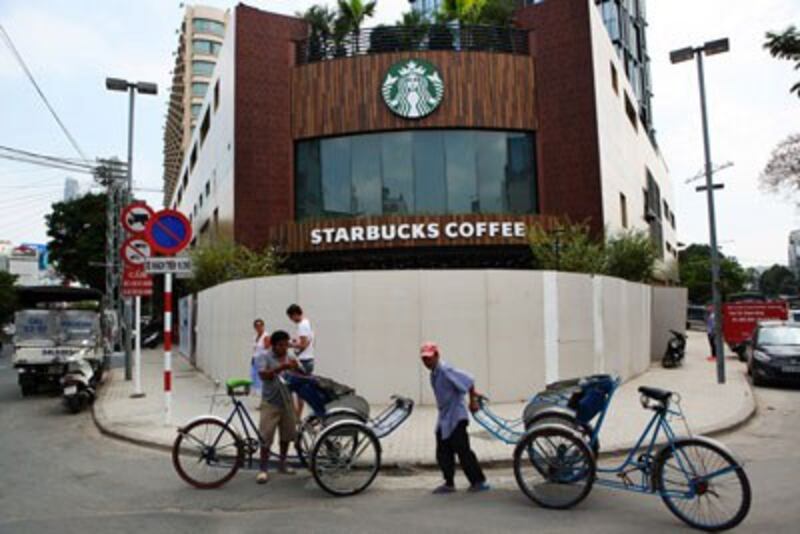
x=168, y=231
x=135, y=216
x=168, y=265
x=136, y=283
x=135, y=251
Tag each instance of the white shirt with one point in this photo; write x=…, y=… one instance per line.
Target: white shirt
x=304, y=330
x=258, y=346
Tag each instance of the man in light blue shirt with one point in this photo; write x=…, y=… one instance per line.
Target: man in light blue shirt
x=449, y=387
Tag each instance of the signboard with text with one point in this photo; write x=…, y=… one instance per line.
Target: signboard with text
x=136, y=283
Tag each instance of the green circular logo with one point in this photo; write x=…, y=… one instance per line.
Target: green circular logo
x=412, y=88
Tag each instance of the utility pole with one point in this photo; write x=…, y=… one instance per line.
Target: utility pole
x=112, y=173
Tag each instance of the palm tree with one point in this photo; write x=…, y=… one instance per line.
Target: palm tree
x=321, y=20
x=414, y=26
x=786, y=45
x=352, y=14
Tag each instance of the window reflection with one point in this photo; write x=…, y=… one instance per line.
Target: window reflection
x=416, y=172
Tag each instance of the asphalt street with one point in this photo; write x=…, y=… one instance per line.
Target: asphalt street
x=58, y=474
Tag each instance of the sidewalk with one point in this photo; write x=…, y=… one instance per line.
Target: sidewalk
x=709, y=407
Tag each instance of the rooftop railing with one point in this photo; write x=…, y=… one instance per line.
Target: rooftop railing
x=383, y=39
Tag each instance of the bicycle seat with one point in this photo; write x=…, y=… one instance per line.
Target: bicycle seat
x=238, y=386
x=661, y=395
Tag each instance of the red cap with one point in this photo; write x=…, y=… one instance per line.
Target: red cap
x=428, y=349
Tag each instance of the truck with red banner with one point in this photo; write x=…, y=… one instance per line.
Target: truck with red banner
x=739, y=319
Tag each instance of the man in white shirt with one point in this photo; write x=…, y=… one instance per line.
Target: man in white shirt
x=303, y=343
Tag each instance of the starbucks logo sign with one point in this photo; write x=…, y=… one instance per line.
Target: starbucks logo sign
x=412, y=88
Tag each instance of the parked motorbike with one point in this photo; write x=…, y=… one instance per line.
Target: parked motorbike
x=676, y=350
x=79, y=383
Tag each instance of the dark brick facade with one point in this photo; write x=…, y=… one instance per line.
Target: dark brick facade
x=567, y=140
x=264, y=149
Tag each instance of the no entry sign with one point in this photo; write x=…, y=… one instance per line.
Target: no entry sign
x=168, y=231
x=135, y=251
x=135, y=217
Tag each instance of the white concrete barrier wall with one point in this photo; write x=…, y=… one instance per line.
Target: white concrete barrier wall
x=669, y=313
x=513, y=330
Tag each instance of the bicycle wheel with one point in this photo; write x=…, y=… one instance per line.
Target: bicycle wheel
x=554, y=467
x=346, y=458
x=555, y=417
x=703, y=485
x=306, y=436
x=207, y=453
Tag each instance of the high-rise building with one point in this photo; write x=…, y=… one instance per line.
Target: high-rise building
x=626, y=23
x=71, y=189
x=199, y=42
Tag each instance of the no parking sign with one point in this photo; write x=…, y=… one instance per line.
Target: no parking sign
x=168, y=231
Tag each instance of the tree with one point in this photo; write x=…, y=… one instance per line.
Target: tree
x=777, y=281
x=494, y=12
x=630, y=255
x=695, y=273
x=8, y=297
x=352, y=14
x=77, y=232
x=786, y=45
x=415, y=27
x=782, y=172
x=566, y=246
x=222, y=261
x=321, y=20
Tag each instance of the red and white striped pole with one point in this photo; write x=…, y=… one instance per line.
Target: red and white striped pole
x=168, y=346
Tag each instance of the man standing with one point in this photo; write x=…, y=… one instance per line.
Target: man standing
x=276, y=402
x=710, y=332
x=449, y=386
x=303, y=343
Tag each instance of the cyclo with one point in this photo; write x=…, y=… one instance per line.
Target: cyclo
x=557, y=445
x=338, y=442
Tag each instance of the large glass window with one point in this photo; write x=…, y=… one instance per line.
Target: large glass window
x=416, y=172
x=203, y=68
x=199, y=88
x=203, y=46
x=208, y=26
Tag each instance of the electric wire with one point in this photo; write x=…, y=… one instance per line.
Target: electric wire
x=21, y=61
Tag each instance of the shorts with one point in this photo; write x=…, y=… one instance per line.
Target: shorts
x=307, y=366
x=280, y=418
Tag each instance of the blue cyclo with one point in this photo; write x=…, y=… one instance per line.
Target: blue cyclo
x=557, y=442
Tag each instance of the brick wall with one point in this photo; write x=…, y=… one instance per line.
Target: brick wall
x=567, y=143
x=264, y=151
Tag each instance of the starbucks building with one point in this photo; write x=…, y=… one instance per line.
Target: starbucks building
x=422, y=148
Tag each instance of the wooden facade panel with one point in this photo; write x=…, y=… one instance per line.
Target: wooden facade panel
x=482, y=90
x=299, y=237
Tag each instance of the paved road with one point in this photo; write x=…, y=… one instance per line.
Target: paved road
x=57, y=474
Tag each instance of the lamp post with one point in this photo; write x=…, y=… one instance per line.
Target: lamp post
x=145, y=88
x=710, y=48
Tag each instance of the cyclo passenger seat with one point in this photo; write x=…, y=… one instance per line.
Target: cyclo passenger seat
x=238, y=386
x=657, y=394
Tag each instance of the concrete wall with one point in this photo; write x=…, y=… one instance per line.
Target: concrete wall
x=669, y=313
x=514, y=331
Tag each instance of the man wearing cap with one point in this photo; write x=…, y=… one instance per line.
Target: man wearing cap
x=449, y=386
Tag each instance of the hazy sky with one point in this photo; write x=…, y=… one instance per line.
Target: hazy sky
x=72, y=45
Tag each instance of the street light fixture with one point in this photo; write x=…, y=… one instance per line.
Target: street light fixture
x=710, y=48
x=145, y=88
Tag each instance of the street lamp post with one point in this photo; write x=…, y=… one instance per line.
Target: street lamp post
x=145, y=88
x=678, y=56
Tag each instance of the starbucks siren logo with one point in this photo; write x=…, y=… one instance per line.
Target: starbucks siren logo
x=413, y=89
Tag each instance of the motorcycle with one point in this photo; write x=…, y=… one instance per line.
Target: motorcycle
x=676, y=350
x=79, y=383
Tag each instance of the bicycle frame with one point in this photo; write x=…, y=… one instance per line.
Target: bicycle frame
x=643, y=464
x=247, y=425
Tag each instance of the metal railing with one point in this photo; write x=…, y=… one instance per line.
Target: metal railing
x=383, y=39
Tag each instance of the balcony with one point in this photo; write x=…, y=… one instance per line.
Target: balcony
x=383, y=39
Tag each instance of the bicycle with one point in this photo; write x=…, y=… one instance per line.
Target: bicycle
x=339, y=444
x=555, y=458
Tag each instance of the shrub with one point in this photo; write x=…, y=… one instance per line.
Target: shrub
x=630, y=255
x=222, y=261
x=566, y=246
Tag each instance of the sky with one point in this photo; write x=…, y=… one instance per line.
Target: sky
x=71, y=46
